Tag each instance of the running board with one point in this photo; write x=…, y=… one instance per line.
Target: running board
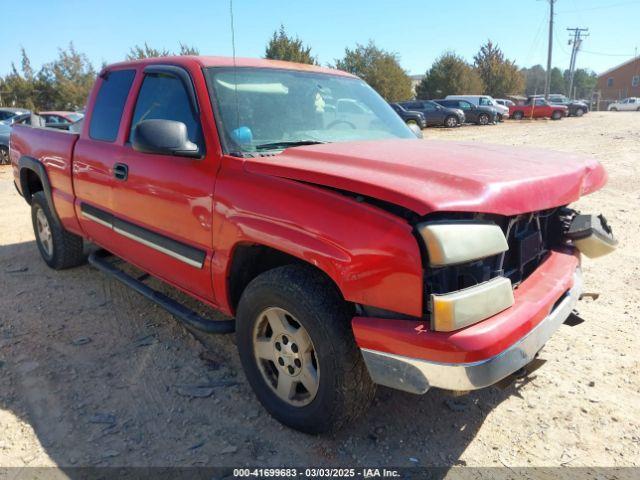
x=98, y=259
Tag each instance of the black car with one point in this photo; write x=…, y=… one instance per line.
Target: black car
x=575, y=108
x=409, y=117
x=435, y=114
x=478, y=114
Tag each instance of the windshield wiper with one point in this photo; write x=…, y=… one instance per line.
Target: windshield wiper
x=287, y=144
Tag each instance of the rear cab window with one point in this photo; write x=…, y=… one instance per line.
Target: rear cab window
x=109, y=105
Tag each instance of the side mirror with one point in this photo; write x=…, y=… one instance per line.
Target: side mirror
x=163, y=137
x=416, y=130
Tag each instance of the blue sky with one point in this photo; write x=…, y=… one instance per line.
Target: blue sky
x=417, y=30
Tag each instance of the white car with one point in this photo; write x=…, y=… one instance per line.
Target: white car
x=626, y=105
x=485, y=100
x=503, y=101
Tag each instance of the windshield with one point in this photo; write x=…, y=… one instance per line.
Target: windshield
x=267, y=109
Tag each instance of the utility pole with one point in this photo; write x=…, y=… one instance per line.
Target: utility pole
x=547, y=82
x=576, y=42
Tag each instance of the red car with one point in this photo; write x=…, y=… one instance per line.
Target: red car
x=536, y=107
x=349, y=252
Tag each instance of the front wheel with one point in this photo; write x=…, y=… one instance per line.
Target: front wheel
x=297, y=349
x=614, y=109
x=483, y=119
x=518, y=115
x=451, y=122
x=4, y=155
x=579, y=112
x=412, y=122
x=556, y=115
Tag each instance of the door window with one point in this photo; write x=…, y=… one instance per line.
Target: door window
x=164, y=97
x=464, y=105
x=109, y=104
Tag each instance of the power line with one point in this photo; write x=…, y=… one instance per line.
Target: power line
x=608, y=54
x=601, y=7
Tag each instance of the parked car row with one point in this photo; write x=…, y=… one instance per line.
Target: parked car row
x=21, y=116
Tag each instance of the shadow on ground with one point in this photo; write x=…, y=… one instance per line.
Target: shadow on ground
x=105, y=378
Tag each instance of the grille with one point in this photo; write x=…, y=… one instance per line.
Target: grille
x=530, y=238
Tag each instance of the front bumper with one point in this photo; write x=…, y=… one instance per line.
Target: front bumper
x=542, y=305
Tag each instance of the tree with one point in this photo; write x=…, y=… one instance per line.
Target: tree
x=557, y=83
x=499, y=75
x=283, y=47
x=449, y=74
x=380, y=69
x=584, y=82
x=138, y=52
x=534, y=78
x=64, y=83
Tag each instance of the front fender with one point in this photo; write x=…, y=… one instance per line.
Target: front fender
x=371, y=255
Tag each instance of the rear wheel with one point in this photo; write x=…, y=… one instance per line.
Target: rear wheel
x=297, y=349
x=557, y=115
x=4, y=155
x=614, y=109
x=59, y=248
x=451, y=121
x=483, y=119
x=518, y=115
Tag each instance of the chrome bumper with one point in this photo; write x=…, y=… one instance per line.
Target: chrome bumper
x=417, y=376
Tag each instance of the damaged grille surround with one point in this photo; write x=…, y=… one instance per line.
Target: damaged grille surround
x=530, y=237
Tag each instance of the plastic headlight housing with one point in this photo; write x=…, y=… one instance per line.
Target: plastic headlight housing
x=459, y=309
x=449, y=243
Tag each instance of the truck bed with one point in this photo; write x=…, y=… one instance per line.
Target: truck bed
x=52, y=148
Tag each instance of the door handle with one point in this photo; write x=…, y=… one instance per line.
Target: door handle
x=120, y=171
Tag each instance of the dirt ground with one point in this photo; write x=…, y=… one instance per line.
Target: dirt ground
x=92, y=374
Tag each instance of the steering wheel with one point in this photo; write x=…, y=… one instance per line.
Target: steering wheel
x=338, y=122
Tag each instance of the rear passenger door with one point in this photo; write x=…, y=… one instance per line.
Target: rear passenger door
x=96, y=152
x=164, y=203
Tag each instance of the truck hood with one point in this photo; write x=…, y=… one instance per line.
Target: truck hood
x=426, y=176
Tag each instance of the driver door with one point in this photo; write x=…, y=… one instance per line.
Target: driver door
x=164, y=203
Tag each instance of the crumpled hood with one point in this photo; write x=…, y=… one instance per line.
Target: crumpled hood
x=427, y=175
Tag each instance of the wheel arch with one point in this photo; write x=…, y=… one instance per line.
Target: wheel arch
x=34, y=178
x=248, y=260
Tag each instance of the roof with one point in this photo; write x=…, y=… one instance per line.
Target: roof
x=14, y=110
x=618, y=66
x=209, y=61
x=57, y=112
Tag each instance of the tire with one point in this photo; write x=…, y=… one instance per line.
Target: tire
x=59, y=248
x=579, y=112
x=4, y=155
x=451, y=122
x=556, y=115
x=518, y=115
x=483, y=119
x=614, y=109
x=412, y=122
x=301, y=296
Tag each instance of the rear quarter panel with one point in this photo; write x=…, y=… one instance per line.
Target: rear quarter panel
x=54, y=150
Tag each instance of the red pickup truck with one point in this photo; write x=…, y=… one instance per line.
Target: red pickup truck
x=537, y=107
x=349, y=252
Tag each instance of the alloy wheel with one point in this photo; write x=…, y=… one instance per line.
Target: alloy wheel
x=44, y=232
x=286, y=357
